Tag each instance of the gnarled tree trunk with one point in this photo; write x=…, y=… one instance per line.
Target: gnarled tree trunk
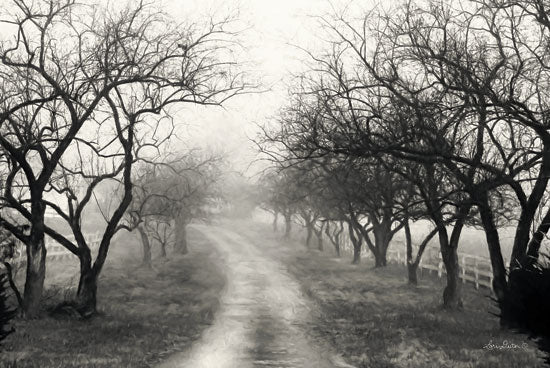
x=87, y=285
x=411, y=267
x=357, y=242
x=382, y=236
x=452, y=294
x=493, y=242
x=36, y=271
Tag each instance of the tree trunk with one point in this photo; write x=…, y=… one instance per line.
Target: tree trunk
x=319, y=234
x=86, y=295
x=523, y=228
x=535, y=243
x=163, y=238
x=146, y=247
x=452, y=294
x=334, y=237
x=412, y=269
x=379, y=259
x=180, y=245
x=411, y=265
x=36, y=271
x=493, y=242
x=381, y=243
x=275, y=221
x=356, y=253
x=288, y=225
x=337, y=238
x=356, y=245
x=452, y=297
x=320, y=241
x=163, y=249
x=309, y=229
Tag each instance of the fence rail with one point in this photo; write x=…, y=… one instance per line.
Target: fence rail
x=473, y=269
x=56, y=252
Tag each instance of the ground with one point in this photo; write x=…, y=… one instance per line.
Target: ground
x=374, y=319
x=261, y=322
x=145, y=315
x=244, y=297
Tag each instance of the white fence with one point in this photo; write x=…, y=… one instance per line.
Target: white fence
x=473, y=269
x=56, y=252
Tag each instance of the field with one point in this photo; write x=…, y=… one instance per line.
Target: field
x=374, y=319
x=145, y=315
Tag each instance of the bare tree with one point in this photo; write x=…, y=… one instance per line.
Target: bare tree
x=92, y=93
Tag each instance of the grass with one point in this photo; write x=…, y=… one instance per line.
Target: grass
x=374, y=319
x=145, y=315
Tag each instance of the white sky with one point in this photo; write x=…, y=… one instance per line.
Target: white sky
x=273, y=30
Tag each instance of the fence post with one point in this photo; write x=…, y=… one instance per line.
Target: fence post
x=440, y=269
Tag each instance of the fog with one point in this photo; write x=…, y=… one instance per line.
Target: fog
x=293, y=183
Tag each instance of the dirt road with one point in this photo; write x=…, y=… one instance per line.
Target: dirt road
x=258, y=323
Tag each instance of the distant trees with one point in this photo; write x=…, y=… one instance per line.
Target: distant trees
x=238, y=197
x=280, y=197
x=81, y=109
x=167, y=196
x=193, y=188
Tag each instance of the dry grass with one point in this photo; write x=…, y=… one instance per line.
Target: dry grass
x=145, y=316
x=374, y=319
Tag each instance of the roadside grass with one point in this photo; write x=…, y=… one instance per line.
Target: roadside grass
x=145, y=315
x=374, y=319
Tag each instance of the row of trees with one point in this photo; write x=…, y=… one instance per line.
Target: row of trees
x=167, y=197
x=86, y=96
x=431, y=111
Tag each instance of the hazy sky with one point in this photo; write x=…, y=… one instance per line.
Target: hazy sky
x=273, y=30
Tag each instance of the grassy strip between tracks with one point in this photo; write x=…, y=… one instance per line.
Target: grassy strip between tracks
x=146, y=315
x=374, y=319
